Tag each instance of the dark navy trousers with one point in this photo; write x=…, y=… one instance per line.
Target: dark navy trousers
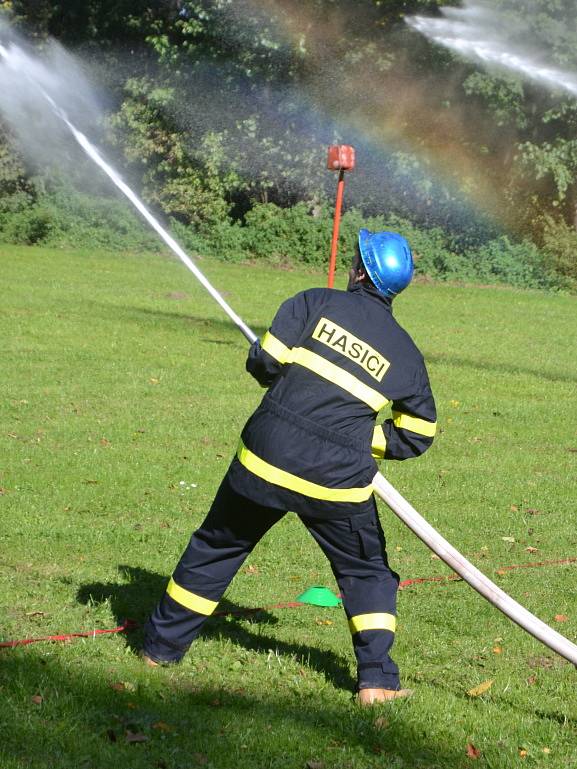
x=354, y=546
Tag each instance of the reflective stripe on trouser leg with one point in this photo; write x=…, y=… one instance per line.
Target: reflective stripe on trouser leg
x=355, y=548
x=214, y=554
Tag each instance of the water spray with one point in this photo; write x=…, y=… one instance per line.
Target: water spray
x=382, y=487
x=95, y=155
x=467, y=32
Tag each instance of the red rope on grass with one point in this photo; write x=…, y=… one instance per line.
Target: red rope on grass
x=561, y=562
x=420, y=580
x=131, y=624
x=127, y=625
x=256, y=609
x=502, y=570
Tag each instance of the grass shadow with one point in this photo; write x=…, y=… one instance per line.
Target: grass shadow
x=498, y=368
x=79, y=716
x=140, y=314
x=135, y=598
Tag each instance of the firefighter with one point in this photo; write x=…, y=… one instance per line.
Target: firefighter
x=331, y=361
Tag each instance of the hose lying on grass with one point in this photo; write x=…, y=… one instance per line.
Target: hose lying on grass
x=470, y=573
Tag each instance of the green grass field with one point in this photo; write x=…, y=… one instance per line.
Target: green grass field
x=121, y=378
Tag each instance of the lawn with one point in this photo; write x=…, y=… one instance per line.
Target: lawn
x=123, y=394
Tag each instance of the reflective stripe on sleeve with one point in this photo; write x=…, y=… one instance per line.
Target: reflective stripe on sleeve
x=287, y=480
x=379, y=442
x=190, y=600
x=381, y=621
x=420, y=426
x=275, y=348
x=338, y=376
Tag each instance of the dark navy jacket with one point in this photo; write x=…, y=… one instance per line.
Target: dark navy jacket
x=332, y=360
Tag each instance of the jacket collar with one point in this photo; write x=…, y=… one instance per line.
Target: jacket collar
x=371, y=292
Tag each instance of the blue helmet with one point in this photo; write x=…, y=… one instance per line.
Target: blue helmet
x=388, y=260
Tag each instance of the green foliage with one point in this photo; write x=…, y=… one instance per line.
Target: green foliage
x=224, y=111
x=284, y=235
x=560, y=250
x=16, y=189
x=64, y=216
x=302, y=235
x=35, y=224
x=188, y=183
x=556, y=159
x=516, y=264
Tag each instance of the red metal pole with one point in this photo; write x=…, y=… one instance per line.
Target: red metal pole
x=336, y=227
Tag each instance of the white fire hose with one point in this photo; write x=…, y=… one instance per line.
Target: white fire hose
x=471, y=574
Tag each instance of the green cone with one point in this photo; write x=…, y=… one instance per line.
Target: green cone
x=319, y=596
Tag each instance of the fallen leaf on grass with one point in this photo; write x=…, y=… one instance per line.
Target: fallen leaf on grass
x=522, y=753
x=472, y=751
x=324, y=621
x=514, y=508
x=531, y=549
x=508, y=539
x=532, y=680
x=123, y=686
x=250, y=569
x=546, y=750
x=497, y=650
x=381, y=723
x=37, y=699
x=135, y=737
x=561, y=618
x=162, y=726
x=476, y=691
x=2, y=491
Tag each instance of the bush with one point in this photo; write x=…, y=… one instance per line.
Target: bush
x=560, y=251
x=64, y=216
x=300, y=233
x=30, y=226
x=516, y=264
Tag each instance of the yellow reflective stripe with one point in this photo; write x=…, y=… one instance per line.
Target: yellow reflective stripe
x=420, y=426
x=379, y=442
x=280, y=477
x=338, y=376
x=275, y=347
x=192, y=601
x=373, y=622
